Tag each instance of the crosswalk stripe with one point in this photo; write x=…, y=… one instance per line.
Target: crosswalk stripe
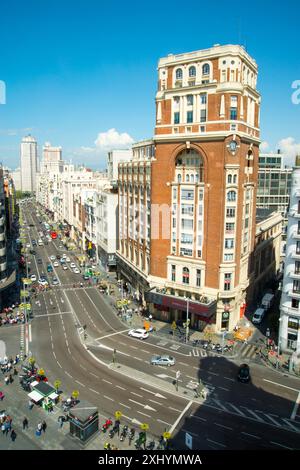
x=290, y=424
x=195, y=352
x=254, y=414
x=236, y=409
x=203, y=353
x=220, y=404
x=272, y=419
x=245, y=350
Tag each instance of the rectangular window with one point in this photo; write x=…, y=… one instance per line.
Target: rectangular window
x=228, y=257
x=198, y=278
x=293, y=323
x=203, y=98
x=187, y=209
x=233, y=101
x=176, y=118
x=233, y=114
x=174, y=223
x=297, y=267
x=202, y=128
x=298, y=230
x=227, y=281
x=187, y=194
x=173, y=272
x=189, y=117
x=186, y=252
x=187, y=223
x=295, y=303
x=174, y=193
x=229, y=227
x=296, y=286
x=186, y=239
x=230, y=212
x=190, y=100
x=298, y=247
x=229, y=243
x=203, y=115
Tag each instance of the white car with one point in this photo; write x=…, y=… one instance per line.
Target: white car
x=64, y=256
x=76, y=271
x=258, y=316
x=139, y=333
x=55, y=264
x=65, y=267
x=68, y=260
x=33, y=277
x=43, y=282
x=73, y=265
x=27, y=245
x=52, y=258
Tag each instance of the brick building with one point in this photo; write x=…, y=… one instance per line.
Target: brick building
x=195, y=237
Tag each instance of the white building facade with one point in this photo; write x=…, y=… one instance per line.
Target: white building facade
x=289, y=330
x=29, y=164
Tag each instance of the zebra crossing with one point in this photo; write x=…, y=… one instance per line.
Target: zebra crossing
x=248, y=351
x=22, y=342
x=255, y=415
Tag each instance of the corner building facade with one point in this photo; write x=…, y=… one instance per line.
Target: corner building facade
x=204, y=171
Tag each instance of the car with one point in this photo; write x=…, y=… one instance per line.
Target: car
x=55, y=264
x=60, y=246
x=138, y=333
x=62, y=261
x=33, y=243
x=64, y=256
x=65, y=267
x=40, y=242
x=76, y=271
x=43, y=282
x=57, y=256
x=27, y=245
x=55, y=281
x=244, y=373
x=68, y=260
x=32, y=252
x=52, y=258
x=39, y=261
x=50, y=268
x=86, y=277
x=73, y=265
x=162, y=360
x=33, y=277
x=258, y=315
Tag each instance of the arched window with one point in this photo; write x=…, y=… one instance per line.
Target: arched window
x=192, y=71
x=179, y=74
x=196, y=178
x=179, y=178
x=234, y=179
x=187, y=178
x=205, y=69
x=185, y=275
x=191, y=160
x=192, y=178
x=229, y=179
x=231, y=196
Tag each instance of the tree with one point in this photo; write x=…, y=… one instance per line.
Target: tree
x=75, y=394
x=31, y=361
x=57, y=384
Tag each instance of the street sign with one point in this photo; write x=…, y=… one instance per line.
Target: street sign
x=189, y=440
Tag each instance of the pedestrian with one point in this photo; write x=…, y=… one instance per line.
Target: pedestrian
x=3, y=428
x=13, y=435
x=30, y=404
x=11, y=379
x=61, y=421
x=15, y=371
x=39, y=426
x=44, y=426
x=6, y=380
x=25, y=423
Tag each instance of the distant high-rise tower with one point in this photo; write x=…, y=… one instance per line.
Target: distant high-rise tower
x=29, y=163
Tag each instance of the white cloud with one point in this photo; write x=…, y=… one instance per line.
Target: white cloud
x=112, y=139
x=264, y=146
x=290, y=148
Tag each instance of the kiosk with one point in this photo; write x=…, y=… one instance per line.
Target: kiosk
x=84, y=421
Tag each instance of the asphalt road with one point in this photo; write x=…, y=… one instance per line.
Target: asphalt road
x=262, y=414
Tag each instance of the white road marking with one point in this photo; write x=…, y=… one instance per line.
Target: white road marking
x=294, y=412
x=53, y=352
x=107, y=381
x=290, y=425
x=212, y=373
x=94, y=375
x=198, y=417
x=95, y=391
x=183, y=363
x=253, y=414
x=137, y=394
x=181, y=416
x=30, y=336
x=251, y=435
x=68, y=374
x=154, y=401
x=59, y=364
x=113, y=334
x=138, y=358
x=280, y=385
x=126, y=406
x=223, y=388
x=108, y=398
x=136, y=402
x=281, y=445
x=119, y=386
x=272, y=419
x=229, y=378
x=215, y=442
x=164, y=422
x=222, y=426
x=144, y=414
x=174, y=409
x=80, y=383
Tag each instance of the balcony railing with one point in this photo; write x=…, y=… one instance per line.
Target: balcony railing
x=296, y=235
x=294, y=275
x=295, y=255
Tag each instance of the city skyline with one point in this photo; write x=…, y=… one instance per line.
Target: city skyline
x=89, y=92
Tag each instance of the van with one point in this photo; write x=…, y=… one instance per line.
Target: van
x=267, y=301
x=40, y=243
x=258, y=316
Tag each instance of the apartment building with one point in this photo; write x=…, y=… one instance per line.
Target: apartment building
x=29, y=164
x=190, y=246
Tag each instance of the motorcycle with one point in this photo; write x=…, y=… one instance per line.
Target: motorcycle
x=131, y=435
x=150, y=445
x=196, y=342
x=114, y=429
x=106, y=425
x=124, y=433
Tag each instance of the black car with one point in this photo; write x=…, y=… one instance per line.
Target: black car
x=40, y=261
x=32, y=252
x=244, y=373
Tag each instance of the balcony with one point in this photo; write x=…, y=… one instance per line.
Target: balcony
x=294, y=275
x=296, y=235
x=294, y=214
x=293, y=294
x=295, y=256
x=286, y=308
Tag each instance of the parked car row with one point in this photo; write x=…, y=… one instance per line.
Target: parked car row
x=266, y=303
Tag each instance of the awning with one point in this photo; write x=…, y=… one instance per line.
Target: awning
x=53, y=396
x=35, y=396
x=33, y=384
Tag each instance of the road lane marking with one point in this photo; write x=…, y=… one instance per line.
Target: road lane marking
x=181, y=416
x=68, y=374
x=107, y=381
x=294, y=412
x=138, y=358
x=164, y=422
x=126, y=406
x=281, y=445
x=222, y=426
x=59, y=364
x=137, y=394
x=290, y=425
x=136, y=402
x=53, y=352
x=144, y=414
x=229, y=378
x=220, y=404
x=272, y=419
x=251, y=435
x=174, y=409
x=198, y=417
x=94, y=375
x=154, y=401
x=119, y=386
x=134, y=347
x=280, y=385
x=80, y=383
x=113, y=334
x=215, y=442
x=30, y=336
x=183, y=363
x=95, y=391
x=213, y=373
x=108, y=398
x=254, y=414
x=226, y=389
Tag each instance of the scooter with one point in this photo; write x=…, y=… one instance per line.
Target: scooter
x=150, y=445
x=131, y=435
x=115, y=429
x=106, y=425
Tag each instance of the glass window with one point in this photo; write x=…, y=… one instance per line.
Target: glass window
x=190, y=100
x=176, y=118
x=187, y=223
x=202, y=115
x=230, y=212
x=227, y=281
x=293, y=323
x=187, y=178
x=187, y=194
x=198, y=278
x=203, y=98
x=296, y=286
x=185, y=276
x=229, y=243
x=179, y=74
x=231, y=196
x=229, y=179
x=174, y=193
x=205, y=69
x=233, y=114
x=179, y=178
x=173, y=272
x=192, y=71
x=189, y=116
x=186, y=238
x=233, y=101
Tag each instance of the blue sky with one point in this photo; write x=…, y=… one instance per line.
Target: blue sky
x=74, y=69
